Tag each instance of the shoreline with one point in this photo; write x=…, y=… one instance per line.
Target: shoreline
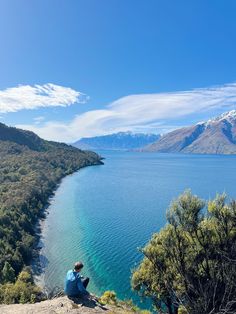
x=36, y=263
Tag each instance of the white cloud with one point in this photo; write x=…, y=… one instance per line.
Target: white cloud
x=140, y=113
x=38, y=120
x=32, y=97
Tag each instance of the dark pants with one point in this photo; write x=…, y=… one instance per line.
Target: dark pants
x=85, y=282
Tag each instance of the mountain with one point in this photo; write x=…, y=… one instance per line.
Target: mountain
x=117, y=141
x=16, y=141
x=21, y=137
x=215, y=136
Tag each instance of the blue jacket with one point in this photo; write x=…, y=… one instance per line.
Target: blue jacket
x=73, y=284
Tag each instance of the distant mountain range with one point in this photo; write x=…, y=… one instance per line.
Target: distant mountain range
x=215, y=136
x=117, y=141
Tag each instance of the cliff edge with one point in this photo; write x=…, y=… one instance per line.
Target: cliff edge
x=65, y=305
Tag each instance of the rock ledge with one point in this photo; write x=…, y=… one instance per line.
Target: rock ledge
x=62, y=305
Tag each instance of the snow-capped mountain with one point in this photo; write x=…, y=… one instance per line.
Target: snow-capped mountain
x=117, y=141
x=215, y=136
x=229, y=116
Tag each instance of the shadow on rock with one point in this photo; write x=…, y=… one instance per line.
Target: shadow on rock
x=87, y=301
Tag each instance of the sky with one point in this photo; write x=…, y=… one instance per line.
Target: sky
x=80, y=68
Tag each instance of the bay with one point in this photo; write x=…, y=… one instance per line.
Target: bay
x=102, y=214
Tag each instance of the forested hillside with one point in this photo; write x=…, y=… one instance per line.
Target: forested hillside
x=30, y=169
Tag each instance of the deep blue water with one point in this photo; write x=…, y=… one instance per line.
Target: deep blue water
x=102, y=214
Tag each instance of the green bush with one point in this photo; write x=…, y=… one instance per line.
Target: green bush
x=182, y=310
x=191, y=261
x=22, y=291
x=109, y=297
x=8, y=273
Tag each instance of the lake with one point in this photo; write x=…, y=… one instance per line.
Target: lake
x=102, y=214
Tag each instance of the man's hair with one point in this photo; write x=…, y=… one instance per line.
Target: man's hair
x=78, y=265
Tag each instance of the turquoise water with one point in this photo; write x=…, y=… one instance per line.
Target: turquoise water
x=101, y=214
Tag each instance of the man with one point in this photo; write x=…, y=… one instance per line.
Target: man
x=75, y=284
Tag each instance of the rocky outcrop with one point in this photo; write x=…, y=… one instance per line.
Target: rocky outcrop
x=63, y=305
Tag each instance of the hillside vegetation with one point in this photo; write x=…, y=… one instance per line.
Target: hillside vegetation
x=189, y=267
x=30, y=169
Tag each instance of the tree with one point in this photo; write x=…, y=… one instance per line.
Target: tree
x=8, y=273
x=22, y=291
x=190, y=264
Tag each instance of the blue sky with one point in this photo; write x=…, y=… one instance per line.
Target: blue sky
x=102, y=66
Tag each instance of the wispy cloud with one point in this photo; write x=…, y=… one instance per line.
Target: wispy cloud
x=141, y=113
x=39, y=119
x=36, y=96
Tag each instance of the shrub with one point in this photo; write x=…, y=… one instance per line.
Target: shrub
x=192, y=260
x=109, y=297
x=22, y=291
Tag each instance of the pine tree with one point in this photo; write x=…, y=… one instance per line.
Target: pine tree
x=8, y=273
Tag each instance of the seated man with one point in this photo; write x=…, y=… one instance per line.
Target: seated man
x=75, y=284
